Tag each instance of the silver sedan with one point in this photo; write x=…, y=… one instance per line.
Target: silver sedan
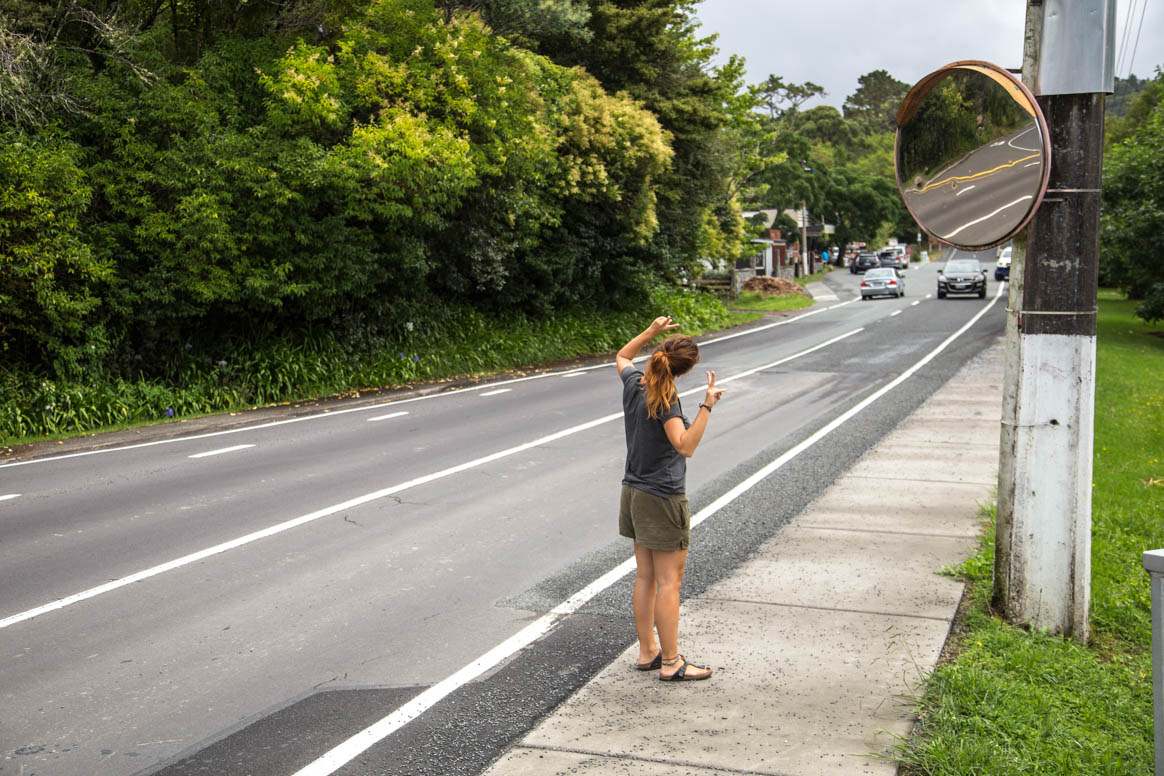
x=882, y=282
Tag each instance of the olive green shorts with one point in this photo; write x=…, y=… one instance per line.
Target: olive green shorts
x=654, y=522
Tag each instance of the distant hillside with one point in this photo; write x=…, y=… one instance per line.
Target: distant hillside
x=1126, y=90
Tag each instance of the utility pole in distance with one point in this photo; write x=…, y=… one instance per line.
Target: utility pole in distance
x=1043, y=538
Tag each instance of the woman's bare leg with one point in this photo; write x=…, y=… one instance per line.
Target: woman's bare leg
x=643, y=602
x=669, y=567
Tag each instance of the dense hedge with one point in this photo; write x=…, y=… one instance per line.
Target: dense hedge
x=232, y=176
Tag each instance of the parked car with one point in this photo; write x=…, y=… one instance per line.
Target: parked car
x=883, y=281
x=1002, y=266
x=962, y=276
x=892, y=260
x=866, y=260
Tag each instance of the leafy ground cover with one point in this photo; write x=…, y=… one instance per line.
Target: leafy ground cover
x=453, y=342
x=1011, y=701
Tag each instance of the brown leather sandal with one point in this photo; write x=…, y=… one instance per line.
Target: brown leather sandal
x=681, y=674
x=654, y=665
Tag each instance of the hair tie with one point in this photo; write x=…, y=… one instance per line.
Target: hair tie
x=663, y=357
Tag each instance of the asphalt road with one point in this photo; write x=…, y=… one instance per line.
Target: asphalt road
x=986, y=193
x=239, y=602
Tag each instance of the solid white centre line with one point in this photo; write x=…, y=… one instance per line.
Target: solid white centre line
x=220, y=452
x=896, y=312
x=494, y=393
x=388, y=416
x=988, y=216
x=287, y=525
x=9, y=496
x=336, y=758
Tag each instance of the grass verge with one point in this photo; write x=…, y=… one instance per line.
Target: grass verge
x=754, y=301
x=1009, y=701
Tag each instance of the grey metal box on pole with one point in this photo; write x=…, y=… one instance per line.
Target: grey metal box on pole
x=1154, y=565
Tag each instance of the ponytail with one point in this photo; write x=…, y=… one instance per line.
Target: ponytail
x=674, y=357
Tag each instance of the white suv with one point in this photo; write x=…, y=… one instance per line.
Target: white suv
x=1002, y=266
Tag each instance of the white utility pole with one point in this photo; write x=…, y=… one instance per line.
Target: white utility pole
x=1043, y=539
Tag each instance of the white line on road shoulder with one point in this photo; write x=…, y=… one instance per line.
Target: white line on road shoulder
x=347, y=751
x=9, y=496
x=494, y=393
x=219, y=452
x=388, y=416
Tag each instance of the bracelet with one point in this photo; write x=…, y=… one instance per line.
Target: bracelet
x=705, y=407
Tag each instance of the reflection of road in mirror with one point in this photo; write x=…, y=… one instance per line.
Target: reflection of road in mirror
x=986, y=193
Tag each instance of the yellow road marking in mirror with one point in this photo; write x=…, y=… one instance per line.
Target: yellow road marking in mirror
x=975, y=176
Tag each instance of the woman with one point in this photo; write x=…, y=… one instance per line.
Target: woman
x=653, y=510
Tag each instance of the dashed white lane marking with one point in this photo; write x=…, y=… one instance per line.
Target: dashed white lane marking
x=928, y=296
x=896, y=312
x=387, y=417
x=9, y=496
x=287, y=525
x=336, y=758
x=219, y=452
x=494, y=393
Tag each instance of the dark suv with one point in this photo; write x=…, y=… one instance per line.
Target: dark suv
x=865, y=261
x=962, y=276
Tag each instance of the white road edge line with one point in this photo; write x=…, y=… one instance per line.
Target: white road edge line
x=336, y=413
x=194, y=557
x=219, y=452
x=8, y=496
x=388, y=416
x=345, y=752
x=495, y=393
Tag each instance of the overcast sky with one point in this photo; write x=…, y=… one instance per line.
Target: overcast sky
x=833, y=42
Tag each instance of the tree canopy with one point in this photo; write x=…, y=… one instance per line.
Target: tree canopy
x=1131, y=256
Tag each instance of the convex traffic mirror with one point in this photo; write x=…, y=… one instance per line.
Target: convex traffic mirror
x=972, y=154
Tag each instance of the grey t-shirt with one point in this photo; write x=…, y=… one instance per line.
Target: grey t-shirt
x=652, y=462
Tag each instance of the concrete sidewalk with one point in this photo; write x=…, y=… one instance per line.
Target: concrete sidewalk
x=819, y=635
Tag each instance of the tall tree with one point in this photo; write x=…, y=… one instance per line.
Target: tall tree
x=650, y=50
x=1133, y=215
x=874, y=105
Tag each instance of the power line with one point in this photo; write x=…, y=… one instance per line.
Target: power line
x=1135, y=48
x=1126, y=36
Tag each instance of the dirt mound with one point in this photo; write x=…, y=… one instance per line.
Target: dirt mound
x=769, y=286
